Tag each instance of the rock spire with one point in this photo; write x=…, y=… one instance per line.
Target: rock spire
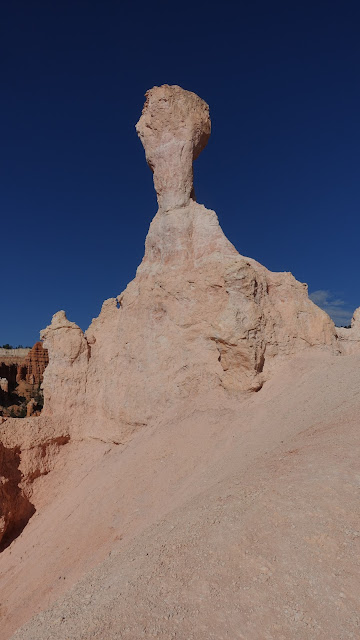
x=197, y=317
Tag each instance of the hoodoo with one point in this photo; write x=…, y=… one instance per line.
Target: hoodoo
x=197, y=316
x=174, y=128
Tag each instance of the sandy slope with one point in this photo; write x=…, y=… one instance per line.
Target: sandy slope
x=229, y=519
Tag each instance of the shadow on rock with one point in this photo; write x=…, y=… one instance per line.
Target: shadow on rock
x=15, y=508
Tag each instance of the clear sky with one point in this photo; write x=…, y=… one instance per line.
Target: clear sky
x=281, y=168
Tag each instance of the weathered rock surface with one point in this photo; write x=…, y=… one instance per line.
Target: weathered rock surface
x=35, y=363
x=65, y=377
x=174, y=128
x=230, y=517
x=30, y=407
x=15, y=508
x=197, y=316
x=173, y=461
x=28, y=449
x=349, y=339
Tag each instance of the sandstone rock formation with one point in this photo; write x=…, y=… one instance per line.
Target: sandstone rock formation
x=66, y=376
x=12, y=365
x=24, y=364
x=35, y=363
x=22, y=372
x=15, y=508
x=197, y=316
x=349, y=339
x=156, y=400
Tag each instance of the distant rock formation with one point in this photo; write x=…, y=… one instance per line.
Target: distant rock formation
x=18, y=352
x=31, y=407
x=21, y=371
x=24, y=364
x=349, y=339
x=35, y=363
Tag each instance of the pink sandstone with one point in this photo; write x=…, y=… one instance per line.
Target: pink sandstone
x=197, y=316
x=156, y=400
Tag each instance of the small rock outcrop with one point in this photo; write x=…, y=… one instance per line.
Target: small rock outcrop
x=4, y=385
x=349, y=339
x=67, y=373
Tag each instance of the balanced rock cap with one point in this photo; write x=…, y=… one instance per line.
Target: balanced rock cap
x=174, y=128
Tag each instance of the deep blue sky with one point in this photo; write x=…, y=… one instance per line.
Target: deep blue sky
x=281, y=168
